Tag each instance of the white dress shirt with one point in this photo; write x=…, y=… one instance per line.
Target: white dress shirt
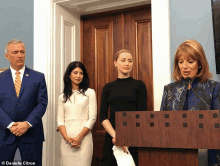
x=80, y=107
x=13, y=73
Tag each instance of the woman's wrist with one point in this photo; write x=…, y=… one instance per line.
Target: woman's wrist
x=65, y=137
x=79, y=137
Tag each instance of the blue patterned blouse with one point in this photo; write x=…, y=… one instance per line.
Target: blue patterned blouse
x=174, y=95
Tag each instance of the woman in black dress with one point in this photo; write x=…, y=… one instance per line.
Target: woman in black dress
x=124, y=94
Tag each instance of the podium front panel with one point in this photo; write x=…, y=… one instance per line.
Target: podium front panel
x=169, y=129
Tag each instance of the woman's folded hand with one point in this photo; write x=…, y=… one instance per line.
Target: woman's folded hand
x=75, y=142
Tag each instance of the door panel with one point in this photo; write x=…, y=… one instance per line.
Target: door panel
x=103, y=50
x=138, y=40
x=97, y=54
x=102, y=37
x=144, y=52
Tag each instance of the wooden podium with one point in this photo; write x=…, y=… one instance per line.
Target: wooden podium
x=168, y=138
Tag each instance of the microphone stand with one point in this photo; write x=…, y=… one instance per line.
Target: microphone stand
x=207, y=106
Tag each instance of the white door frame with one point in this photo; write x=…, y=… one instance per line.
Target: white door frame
x=44, y=60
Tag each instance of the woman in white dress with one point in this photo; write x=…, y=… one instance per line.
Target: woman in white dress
x=77, y=112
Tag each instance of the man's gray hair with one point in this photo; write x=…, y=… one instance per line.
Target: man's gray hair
x=13, y=41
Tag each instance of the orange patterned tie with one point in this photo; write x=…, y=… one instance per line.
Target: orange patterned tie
x=17, y=83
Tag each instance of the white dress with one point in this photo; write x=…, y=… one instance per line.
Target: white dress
x=76, y=114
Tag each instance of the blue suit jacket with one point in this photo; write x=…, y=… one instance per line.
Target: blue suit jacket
x=29, y=106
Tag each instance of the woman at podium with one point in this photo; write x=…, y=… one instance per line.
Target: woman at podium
x=123, y=94
x=192, y=89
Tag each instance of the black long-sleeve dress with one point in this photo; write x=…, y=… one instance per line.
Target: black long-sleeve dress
x=125, y=94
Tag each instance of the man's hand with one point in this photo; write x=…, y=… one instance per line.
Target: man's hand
x=19, y=128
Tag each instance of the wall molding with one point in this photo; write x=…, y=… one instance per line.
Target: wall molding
x=1, y=70
x=112, y=5
x=94, y=6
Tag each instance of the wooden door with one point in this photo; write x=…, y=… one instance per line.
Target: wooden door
x=102, y=36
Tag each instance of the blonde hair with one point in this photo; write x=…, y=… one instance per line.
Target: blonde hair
x=119, y=52
x=192, y=49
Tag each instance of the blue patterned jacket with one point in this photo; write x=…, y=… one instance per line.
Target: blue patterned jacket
x=174, y=95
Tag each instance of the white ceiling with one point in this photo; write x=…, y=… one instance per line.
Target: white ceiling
x=93, y=6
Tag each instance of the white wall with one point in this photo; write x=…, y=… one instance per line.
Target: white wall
x=42, y=51
x=160, y=48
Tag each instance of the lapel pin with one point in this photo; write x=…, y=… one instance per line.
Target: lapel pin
x=27, y=75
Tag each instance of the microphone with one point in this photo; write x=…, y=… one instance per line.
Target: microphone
x=189, y=80
x=207, y=106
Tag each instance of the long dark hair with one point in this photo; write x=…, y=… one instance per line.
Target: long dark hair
x=83, y=86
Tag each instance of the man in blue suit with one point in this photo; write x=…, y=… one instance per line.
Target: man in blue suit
x=23, y=102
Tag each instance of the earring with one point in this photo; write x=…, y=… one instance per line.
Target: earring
x=200, y=66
